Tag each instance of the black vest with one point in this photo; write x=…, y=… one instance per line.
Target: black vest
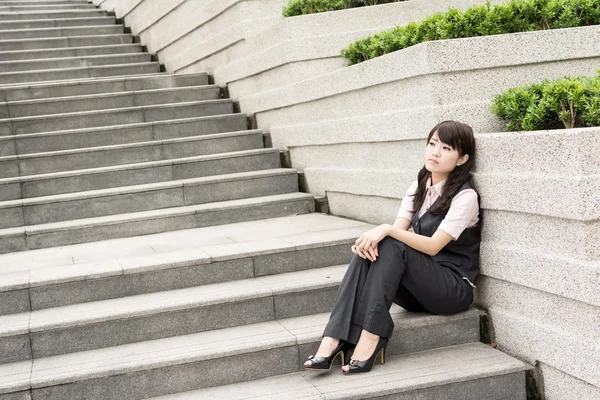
x=461, y=255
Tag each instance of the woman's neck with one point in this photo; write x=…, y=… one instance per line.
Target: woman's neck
x=437, y=178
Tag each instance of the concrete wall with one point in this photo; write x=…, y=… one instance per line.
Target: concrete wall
x=358, y=134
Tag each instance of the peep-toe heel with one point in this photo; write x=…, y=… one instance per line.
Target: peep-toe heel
x=356, y=366
x=325, y=363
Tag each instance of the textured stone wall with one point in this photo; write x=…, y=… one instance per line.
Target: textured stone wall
x=358, y=134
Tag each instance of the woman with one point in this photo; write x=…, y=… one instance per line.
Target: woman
x=432, y=269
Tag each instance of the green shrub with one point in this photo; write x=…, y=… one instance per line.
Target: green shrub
x=563, y=103
x=301, y=7
x=513, y=16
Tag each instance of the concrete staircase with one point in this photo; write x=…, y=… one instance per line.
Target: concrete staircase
x=152, y=246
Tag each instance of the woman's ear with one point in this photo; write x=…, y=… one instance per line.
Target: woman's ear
x=462, y=160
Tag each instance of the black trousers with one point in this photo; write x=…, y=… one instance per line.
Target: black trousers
x=402, y=275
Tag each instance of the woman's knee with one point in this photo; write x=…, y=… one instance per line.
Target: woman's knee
x=392, y=245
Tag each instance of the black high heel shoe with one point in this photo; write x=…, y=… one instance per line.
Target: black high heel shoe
x=356, y=367
x=325, y=363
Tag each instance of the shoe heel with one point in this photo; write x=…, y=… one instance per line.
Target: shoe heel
x=382, y=356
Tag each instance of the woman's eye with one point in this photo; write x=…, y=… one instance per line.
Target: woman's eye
x=447, y=148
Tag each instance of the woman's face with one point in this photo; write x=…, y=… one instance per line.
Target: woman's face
x=441, y=158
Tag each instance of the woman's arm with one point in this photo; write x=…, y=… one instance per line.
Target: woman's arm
x=367, y=244
x=425, y=244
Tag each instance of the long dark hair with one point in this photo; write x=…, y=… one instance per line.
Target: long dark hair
x=460, y=137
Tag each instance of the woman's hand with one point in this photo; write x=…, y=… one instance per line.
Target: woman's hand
x=366, y=246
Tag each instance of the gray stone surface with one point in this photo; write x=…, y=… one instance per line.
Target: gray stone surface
x=15, y=348
x=303, y=259
x=155, y=326
x=49, y=23
x=178, y=378
x=51, y=15
x=104, y=85
x=71, y=52
x=62, y=42
x=86, y=119
x=133, y=284
x=14, y=301
x=144, y=132
x=27, y=108
x=58, y=32
x=16, y=396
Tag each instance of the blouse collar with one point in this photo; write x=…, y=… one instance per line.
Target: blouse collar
x=438, y=188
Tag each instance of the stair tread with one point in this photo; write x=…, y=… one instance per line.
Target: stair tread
x=109, y=94
x=58, y=59
x=146, y=164
x=171, y=300
x=80, y=68
x=153, y=214
x=113, y=110
x=56, y=49
x=400, y=374
x=175, y=249
x=91, y=80
x=431, y=367
x=146, y=187
x=56, y=28
x=132, y=145
x=65, y=37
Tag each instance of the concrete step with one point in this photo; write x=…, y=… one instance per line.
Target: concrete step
x=65, y=41
x=79, y=72
x=73, y=62
x=125, y=154
x=31, y=33
x=45, y=7
x=75, y=87
x=469, y=371
x=100, y=324
x=51, y=106
x=110, y=136
x=138, y=174
x=59, y=22
x=56, y=277
x=34, y=2
x=177, y=193
x=32, y=55
x=230, y=355
x=115, y=116
x=15, y=16
x=143, y=223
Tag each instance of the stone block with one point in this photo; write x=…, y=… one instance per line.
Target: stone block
x=296, y=304
x=16, y=396
x=191, y=110
x=9, y=167
x=178, y=378
x=14, y=301
x=84, y=138
x=14, y=241
x=256, y=211
x=77, y=120
x=11, y=216
x=157, y=325
x=200, y=126
x=15, y=348
x=215, y=144
x=300, y=260
x=139, y=283
x=254, y=160
x=233, y=189
x=55, y=236
x=86, y=159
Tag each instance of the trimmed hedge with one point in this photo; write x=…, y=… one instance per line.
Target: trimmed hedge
x=563, y=103
x=483, y=20
x=301, y=7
